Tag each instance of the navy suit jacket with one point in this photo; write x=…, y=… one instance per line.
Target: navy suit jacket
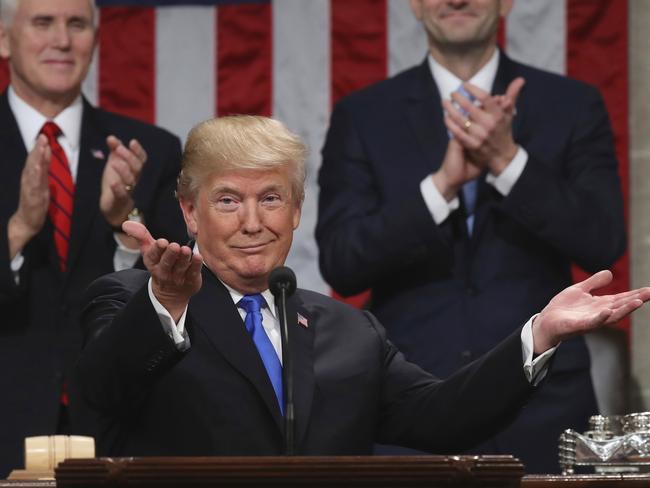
x=352, y=387
x=40, y=336
x=444, y=296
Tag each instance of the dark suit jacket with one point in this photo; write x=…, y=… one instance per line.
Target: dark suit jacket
x=445, y=297
x=352, y=386
x=40, y=336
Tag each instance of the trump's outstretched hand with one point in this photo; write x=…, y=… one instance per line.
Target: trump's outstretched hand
x=575, y=310
x=175, y=270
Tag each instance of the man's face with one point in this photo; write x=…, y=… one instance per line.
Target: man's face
x=243, y=221
x=49, y=45
x=458, y=24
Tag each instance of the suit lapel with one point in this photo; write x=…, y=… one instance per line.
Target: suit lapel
x=425, y=116
x=226, y=332
x=301, y=344
x=507, y=72
x=13, y=155
x=88, y=183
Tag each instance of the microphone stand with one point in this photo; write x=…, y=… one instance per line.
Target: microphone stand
x=287, y=373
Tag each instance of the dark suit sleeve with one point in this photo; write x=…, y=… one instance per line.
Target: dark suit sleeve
x=10, y=291
x=452, y=415
x=126, y=348
x=8, y=288
x=575, y=205
x=361, y=239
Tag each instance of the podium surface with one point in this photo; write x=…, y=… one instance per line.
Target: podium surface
x=336, y=471
x=339, y=472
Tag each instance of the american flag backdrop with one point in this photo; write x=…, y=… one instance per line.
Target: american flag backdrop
x=174, y=63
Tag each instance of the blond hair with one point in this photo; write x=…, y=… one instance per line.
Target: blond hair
x=241, y=142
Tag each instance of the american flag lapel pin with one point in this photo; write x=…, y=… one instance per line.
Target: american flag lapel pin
x=97, y=154
x=303, y=321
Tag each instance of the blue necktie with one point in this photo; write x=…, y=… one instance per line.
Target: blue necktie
x=469, y=197
x=253, y=322
x=469, y=188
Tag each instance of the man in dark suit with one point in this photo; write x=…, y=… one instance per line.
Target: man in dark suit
x=447, y=212
x=177, y=362
x=63, y=159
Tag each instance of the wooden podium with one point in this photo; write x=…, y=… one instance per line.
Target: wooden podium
x=260, y=472
x=339, y=472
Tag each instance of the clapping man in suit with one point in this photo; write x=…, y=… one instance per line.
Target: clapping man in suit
x=71, y=175
x=447, y=210
x=184, y=358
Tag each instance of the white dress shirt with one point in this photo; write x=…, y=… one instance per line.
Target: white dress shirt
x=30, y=121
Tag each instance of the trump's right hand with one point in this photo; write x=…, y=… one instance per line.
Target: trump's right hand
x=175, y=270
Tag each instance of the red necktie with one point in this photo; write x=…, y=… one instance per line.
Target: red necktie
x=61, y=193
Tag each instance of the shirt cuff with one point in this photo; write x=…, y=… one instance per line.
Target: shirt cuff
x=124, y=257
x=509, y=176
x=439, y=208
x=15, y=265
x=175, y=331
x=534, y=369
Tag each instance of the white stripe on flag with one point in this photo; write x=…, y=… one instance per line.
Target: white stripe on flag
x=536, y=34
x=301, y=99
x=407, y=42
x=185, y=67
x=90, y=86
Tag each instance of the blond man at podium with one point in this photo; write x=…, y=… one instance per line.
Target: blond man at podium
x=177, y=362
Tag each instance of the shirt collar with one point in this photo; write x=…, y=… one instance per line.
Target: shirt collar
x=30, y=121
x=447, y=82
x=268, y=296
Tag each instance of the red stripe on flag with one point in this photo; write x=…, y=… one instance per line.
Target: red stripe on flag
x=244, y=59
x=127, y=61
x=359, y=57
x=359, y=44
x=597, y=54
x=4, y=75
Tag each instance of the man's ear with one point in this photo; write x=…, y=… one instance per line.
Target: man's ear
x=5, y=46
x=297, y=212
x=189, y=214
x=416, y=8
x=505, y=7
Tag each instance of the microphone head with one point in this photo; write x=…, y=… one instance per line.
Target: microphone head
x=281, y=278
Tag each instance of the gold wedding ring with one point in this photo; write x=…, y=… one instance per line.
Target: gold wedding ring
x=467, y=124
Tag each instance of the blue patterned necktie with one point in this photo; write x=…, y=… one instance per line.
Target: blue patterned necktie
x=253, y=304
x=469, y=188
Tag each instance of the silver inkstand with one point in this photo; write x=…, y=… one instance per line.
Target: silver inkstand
x=613, y=444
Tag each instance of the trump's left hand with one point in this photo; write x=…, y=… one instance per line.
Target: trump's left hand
x=575, y=311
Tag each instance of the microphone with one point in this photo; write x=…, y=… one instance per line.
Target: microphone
x=282, y=278
x=282, y=284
